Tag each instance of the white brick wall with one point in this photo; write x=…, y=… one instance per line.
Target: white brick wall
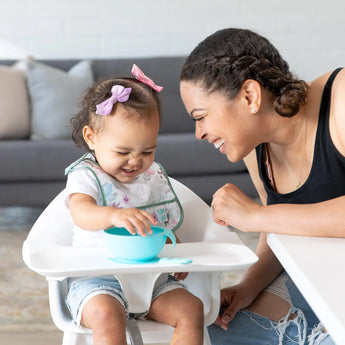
x=309, y=33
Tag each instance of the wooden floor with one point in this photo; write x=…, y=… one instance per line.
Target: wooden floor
x=39, y=338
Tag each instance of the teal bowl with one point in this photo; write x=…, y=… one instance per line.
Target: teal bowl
x=124, y=246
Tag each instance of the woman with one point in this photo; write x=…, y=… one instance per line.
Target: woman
x=291, y=135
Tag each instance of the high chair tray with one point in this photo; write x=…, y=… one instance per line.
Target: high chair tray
x=66, y=261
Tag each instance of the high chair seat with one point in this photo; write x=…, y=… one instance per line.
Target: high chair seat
x=212, y=249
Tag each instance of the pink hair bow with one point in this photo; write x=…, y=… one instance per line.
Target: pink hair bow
x=139, y=75
x=118, y=94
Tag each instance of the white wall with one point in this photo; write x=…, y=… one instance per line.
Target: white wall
x=309, y=33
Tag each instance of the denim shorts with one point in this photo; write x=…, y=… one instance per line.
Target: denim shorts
x=80, y=291
x=248, y=328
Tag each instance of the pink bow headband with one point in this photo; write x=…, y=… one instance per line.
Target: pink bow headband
x=121, y=94
x=139, y=75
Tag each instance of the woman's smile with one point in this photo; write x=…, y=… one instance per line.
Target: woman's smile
x=219, y=143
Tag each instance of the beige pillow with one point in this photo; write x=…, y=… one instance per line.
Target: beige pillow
x=14, y=104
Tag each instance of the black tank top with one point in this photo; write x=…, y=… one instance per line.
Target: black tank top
x=327, y=176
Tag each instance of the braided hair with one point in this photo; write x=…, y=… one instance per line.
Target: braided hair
x=224, y=60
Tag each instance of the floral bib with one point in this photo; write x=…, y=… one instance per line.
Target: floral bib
x=150, y=191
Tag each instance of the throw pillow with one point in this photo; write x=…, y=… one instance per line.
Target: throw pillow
x=14, y=104
x=54, y=96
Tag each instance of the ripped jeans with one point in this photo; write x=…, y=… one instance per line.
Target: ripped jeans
x=248, y=328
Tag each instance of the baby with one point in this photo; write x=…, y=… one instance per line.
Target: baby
x=118, y=184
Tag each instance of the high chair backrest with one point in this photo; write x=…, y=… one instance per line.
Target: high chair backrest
x=58, y=222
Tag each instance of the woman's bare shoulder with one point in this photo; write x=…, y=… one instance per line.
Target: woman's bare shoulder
x=317, y=88
x=337, y=105
x=339, y=84
x=321, y=80
x=337, y=112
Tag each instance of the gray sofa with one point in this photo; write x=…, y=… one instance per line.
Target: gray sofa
x=32, y=169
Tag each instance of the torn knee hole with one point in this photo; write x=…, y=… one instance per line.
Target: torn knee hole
x=292, y=316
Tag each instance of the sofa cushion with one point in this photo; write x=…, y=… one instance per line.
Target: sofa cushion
x=36, y=160
x=183, y=155
x=54, y=96
x=14, y=104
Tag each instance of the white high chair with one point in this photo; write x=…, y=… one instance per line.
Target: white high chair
x=213, y=248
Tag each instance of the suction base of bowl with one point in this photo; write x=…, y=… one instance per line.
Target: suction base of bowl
x=135, y=262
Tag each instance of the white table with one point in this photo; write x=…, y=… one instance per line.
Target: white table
x=317, y=267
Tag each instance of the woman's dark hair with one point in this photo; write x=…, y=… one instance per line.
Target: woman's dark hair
x=224, y=60
x=143, y=100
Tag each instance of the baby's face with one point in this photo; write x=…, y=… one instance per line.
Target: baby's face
x=126, y=146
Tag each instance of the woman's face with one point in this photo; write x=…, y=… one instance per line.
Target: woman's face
x=227, y=124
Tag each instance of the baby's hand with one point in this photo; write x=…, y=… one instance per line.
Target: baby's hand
x=180, y=275
x=134, y=220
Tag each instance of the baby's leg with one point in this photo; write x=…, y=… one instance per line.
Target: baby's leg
x=182, y=310
x=107, y=319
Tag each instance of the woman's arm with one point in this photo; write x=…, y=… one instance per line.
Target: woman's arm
x=233, y=207
x=257, y=277
x=264, y=271
x=326, y=219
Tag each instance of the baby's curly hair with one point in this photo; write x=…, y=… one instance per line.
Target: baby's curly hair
x=224, y=60
x=143, y=100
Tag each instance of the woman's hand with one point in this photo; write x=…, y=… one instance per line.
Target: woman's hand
x=134, y=220
x=180, y=275
x=232, y=299
x=232, y=207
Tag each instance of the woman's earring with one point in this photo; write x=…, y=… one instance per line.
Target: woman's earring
x=253, y=110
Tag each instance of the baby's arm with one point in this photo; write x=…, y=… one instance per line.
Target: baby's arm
x=89, y=216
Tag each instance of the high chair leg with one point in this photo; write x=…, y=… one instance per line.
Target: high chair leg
x=72, y=339
x=207, y=340
x=134, y=333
